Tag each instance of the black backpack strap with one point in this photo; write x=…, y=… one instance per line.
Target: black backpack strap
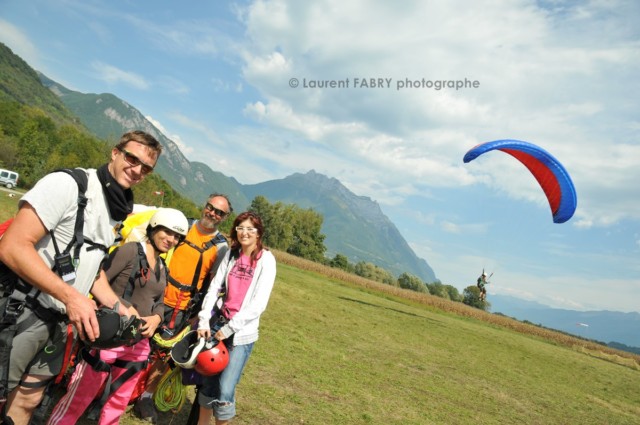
x=140, y=269
x=11, y=311
x=82, y=180
x=218, y=240
x=214, y=241
x=131, y=368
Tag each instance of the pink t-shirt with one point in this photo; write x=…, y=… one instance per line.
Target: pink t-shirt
x=238, y=282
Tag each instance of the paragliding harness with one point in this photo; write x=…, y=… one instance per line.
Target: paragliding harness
x=191, y=291
x=140, y=270
x=18, y=296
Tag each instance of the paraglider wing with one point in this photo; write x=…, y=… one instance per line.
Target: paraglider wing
x=548, y=171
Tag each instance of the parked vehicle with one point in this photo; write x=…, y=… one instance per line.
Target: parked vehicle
x=8, y=178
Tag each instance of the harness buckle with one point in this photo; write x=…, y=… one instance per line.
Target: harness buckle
x=14, y=308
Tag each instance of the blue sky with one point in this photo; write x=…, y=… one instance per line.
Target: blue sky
x=216, y=77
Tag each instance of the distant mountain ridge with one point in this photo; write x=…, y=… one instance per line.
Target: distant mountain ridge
x=20, y=83
x=108, y=117
x=354, y=225
x=357, y=226
x=604, y=326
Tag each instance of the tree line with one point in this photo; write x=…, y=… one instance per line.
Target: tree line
x=297, y=231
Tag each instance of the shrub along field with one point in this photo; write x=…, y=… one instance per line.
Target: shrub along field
x=337, y=349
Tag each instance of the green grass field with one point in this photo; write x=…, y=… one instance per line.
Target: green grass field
x=8, y=205
x=334, y=352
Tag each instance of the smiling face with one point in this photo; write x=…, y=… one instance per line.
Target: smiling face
x=215, y=211
x=130, y=164
x=247, y=235
x=165, y=239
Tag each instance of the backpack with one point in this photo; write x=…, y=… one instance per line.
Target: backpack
x=9, y=282
x=8, y=279
x=133, y=228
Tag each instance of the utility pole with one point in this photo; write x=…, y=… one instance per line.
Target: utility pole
x=160, y=193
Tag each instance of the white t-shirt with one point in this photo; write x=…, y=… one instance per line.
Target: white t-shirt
x=54, y=199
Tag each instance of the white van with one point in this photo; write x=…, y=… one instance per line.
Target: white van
x=8, y=178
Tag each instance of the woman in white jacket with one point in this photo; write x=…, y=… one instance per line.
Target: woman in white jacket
x=238, y=295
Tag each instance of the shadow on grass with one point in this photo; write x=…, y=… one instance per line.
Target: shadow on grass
x=391, y=309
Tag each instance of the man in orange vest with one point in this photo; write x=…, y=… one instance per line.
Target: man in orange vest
x=192, y=265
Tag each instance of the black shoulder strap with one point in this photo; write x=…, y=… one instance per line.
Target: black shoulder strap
x=140, y=268
x=216, y=240
x=164, y=265
x=82, y=180
x=130, y=368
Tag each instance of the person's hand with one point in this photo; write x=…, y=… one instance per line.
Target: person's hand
x=131, y=311
x=204, y=333
x=122, y=309
x=219, y=336
x=149, y=328
x=81, y=311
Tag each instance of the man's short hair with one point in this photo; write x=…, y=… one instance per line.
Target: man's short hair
x=222, y=195
x=142, y=138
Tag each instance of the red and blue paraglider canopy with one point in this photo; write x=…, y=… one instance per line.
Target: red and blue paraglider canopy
x=548, y=171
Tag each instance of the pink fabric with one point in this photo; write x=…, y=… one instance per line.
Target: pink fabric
x=86, y=382
x=238, y=282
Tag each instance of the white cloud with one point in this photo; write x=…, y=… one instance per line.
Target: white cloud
x=113, y=75
x=536, y=83
x=19, y=43
x=185, y=37
x=173, y=85
x=207, y=132
x=175, y=138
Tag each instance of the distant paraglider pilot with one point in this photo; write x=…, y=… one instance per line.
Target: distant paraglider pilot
x=482, y=281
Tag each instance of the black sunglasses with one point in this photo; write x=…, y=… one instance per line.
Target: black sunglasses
x=216, y=211
x=133, y=160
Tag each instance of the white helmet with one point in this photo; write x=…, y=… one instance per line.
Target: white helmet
x=484, y=274
x=172, y=219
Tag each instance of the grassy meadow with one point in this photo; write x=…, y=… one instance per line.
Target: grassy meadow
x=8, y=205
x=338, y=349
x=335, y=352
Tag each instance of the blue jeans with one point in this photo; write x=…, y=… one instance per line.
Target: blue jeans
x=218, y=392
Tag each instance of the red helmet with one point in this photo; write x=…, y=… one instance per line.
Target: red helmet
x=213, y=358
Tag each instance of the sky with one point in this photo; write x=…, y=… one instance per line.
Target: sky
x=387, y=97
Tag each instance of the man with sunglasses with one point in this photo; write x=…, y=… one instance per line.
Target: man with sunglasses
x=192, y=266
x=57, y=284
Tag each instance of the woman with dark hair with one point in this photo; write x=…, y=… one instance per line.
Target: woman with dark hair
x=238, y=295
x=138, y=276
